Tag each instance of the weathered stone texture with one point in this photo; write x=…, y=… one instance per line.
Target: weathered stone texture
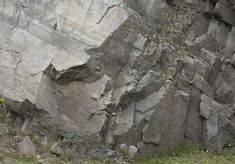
x=106, y=73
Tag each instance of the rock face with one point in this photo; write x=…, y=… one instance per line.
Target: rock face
x=146, y=74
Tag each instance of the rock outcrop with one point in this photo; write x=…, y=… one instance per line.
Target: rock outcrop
x=149, y=75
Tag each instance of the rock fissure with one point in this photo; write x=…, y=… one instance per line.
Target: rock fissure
x=107, y=10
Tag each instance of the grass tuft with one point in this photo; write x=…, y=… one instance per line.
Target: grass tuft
x=186, y=154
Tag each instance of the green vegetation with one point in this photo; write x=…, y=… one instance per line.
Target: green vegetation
x=186, y=154
x=189, y=154
x=17, y=159
x=2, y=100
x=13, y=158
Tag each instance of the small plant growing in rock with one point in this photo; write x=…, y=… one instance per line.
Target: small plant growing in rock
x=2, y=100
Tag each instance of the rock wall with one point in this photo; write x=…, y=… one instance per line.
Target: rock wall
x=109, y=74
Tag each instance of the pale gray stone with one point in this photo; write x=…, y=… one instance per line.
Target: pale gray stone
x=201, y=84
x=123, y=148
x=132, y=151
x=26, y=146
x=151, y=101
x=152, y=80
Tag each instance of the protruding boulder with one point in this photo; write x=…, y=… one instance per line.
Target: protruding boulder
x=201, y=84
x=217, y=120
x=224, y=93
x=132, y=151
x=26, y=146
x=167, y=124
x=123, y=148
x=56, y=149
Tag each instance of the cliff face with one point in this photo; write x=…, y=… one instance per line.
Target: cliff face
x=104, y=73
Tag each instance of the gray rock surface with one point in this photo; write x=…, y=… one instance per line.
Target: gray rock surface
x=96, y=74
x=132, y=152
x=56, y=149
x=26, y=147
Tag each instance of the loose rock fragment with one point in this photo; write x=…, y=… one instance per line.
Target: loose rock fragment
x=26, y=146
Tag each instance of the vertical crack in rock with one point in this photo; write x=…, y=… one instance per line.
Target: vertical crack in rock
x=108, y=10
